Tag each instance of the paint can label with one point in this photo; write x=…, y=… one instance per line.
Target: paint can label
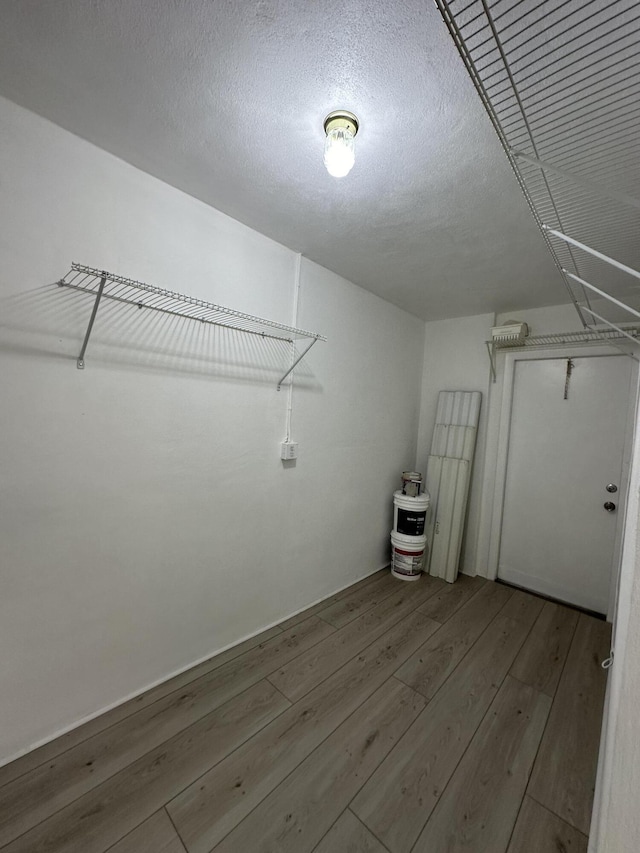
x=411, y=523
x=407, y=562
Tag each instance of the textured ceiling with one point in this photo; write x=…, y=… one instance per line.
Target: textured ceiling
x=226, y=100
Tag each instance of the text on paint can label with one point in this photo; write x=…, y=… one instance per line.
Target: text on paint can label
x=411, y=523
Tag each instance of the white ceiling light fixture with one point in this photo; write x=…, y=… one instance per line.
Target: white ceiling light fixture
x=340, y=127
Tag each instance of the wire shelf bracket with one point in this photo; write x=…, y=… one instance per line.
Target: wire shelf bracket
x=106, y=285
x=92, y=319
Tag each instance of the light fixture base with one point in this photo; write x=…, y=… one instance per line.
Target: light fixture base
x=341, y=118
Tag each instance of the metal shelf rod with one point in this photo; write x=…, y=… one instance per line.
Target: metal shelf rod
x=298, y=359
x=611, y=325
x=593, y=252
x=602, y=293
x=92, y=318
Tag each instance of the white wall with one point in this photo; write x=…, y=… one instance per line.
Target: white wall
x=456, y=359
x=146, y=519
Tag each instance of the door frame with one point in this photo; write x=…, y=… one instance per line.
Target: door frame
x=497, y=452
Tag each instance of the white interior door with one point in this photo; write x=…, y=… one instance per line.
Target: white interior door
x=557, y=538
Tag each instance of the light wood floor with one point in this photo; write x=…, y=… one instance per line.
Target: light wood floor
x=393, y=717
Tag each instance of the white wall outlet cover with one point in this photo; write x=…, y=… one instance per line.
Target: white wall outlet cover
x=289, y=450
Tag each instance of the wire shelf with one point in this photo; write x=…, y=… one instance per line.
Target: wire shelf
x=591, y=335
x=141, y=295
x=560, y=81
x=583, y=337
x=106, y=285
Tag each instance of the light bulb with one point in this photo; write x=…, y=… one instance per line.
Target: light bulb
x=339, y=152
x=340, y=128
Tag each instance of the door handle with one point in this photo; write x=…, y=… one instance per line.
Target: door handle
x=609, y=506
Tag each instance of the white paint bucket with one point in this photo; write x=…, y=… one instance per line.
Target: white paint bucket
x=407, y=556
x=410, y=513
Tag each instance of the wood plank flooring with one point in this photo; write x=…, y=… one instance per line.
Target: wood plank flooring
x=391, y=718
